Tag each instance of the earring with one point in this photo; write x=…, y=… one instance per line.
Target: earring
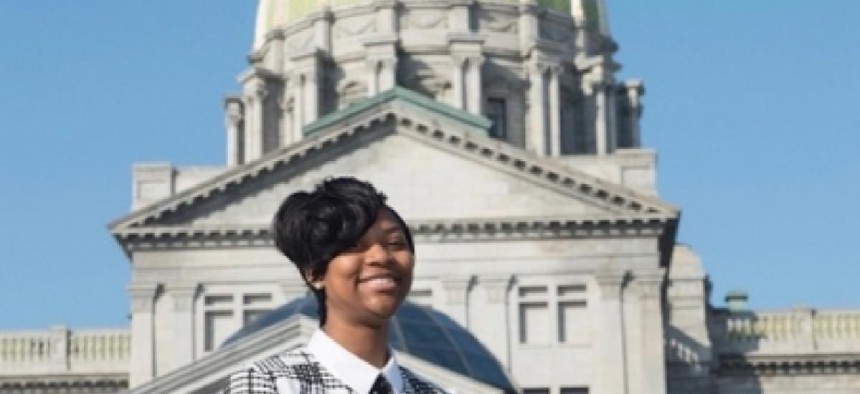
x=318, y=286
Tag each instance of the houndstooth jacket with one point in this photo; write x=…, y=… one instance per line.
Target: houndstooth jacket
x=298, y=372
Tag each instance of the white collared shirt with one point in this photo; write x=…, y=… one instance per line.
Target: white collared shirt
x=351, y=370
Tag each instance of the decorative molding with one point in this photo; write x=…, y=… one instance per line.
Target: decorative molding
x=789, y=365
x=353, y=27
x=457, y=287
x=496, y=286
x=143, y=296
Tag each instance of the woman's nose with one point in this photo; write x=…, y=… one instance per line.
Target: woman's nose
x=377, y=253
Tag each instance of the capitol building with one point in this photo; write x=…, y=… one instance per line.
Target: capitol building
x=547, y=263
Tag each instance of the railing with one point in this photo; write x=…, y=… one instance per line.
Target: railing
x=800, y=330
x=62, y=351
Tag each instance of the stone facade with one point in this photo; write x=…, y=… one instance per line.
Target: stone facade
x=498, y=130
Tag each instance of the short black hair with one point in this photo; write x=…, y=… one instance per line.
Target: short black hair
x=312, y=228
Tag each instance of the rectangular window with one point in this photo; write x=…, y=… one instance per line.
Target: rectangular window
x=497, y=113
x=535, y=323
x=218, y=299
x=536, y=391
x=256, y=298
x=572, y=322
x=219, y=325
x=574, y=390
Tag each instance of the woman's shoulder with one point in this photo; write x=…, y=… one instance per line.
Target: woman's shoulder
x=274, y=374
x=284, y=363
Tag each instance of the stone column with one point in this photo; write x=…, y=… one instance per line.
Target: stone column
x=458, y=78
x=256, y=93
x=652, y=362
x=233, y=122
x=474, y=90
x=528, y=22
x=494, y=309
x=599, y=85
x=142, y=332
x=536, y=137
x=183, y=341
x=465, y=49
x=612, y=364
x=456, y=296
x=307, y=76
x=634, y=90
x=554, y=114
x=322, y=21
x=381, y=54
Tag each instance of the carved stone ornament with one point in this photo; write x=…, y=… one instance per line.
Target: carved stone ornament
x=496, y=287
x=352, y=27
x=499, y=23
x=457, y=288
x=142, y=296
x=424, y=19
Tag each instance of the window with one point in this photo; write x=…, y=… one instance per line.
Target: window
x=574, y=390
x=497, y=113
x=535, y=323
x=549, y=315
x=225, y=311
x=536, y=391
x=572, y=314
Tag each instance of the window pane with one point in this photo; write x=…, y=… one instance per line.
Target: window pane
x=260, y=298
x=497, y=113
x=533, y=291
x=535, y=391
x=535, y=323
x=574, y=390
x=571, y=290
x=573, y=322
x=218, y=327
x=218, y=299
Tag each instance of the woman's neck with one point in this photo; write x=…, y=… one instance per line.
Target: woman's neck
x=368, y=343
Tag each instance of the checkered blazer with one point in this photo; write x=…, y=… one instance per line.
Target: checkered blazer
x=300, y=369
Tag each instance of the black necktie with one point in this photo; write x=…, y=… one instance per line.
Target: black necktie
x=380, y=386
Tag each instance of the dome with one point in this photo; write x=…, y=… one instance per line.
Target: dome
x=419, y=331
x=272, y=14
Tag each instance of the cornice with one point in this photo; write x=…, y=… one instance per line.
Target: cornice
x=784, y=365
x=427, y=231
x=64, y=383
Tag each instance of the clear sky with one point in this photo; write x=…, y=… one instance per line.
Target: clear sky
x=750, y=104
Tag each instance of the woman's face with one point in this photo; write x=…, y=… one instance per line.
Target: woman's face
x=367, y=282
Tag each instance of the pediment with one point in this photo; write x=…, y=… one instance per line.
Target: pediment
x=434, y=162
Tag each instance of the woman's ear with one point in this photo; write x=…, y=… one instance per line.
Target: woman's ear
x=315, y=281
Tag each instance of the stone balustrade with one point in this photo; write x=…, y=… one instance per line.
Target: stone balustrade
x=59, y=351
x=800, y=330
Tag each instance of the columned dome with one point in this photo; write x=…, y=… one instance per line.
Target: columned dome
x=419, y=331
x=273, y=14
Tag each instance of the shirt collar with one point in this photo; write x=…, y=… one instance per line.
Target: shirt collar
x=349, y=368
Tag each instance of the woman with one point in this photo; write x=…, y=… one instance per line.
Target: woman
x=356, y=254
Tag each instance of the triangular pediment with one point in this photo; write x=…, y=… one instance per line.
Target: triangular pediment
x=433, y=161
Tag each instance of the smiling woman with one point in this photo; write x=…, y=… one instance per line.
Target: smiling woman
x=357, y=255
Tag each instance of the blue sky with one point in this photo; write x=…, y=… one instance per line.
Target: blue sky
x=750, y=105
